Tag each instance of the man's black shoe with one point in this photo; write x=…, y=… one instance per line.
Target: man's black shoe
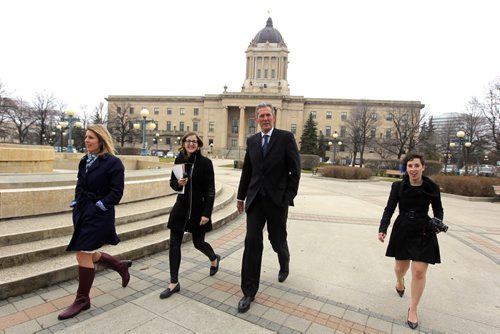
x=244, y=304
x=282, y=276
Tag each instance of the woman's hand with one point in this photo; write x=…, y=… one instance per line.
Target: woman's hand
x=182, y=182
x=381, y=236
x=203, y=220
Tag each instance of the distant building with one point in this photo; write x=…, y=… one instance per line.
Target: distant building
x=226, y=119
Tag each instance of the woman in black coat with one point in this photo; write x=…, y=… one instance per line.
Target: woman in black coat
x=99, y=188
x=413, y=241
x=193, y=208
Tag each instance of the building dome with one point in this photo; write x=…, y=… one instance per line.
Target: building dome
x=268, y=34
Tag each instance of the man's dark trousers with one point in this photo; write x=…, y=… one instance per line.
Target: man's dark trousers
x=261, y=211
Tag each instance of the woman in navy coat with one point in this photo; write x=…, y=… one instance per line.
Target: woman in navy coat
x=193, y=208
x=413, y=241
x=99, y=188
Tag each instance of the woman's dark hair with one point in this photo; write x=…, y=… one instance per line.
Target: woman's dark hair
x=183, y=140
x=410, y=157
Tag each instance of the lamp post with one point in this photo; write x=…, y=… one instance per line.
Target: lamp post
x=72, y=121
x=157, y=135
x=151, y=126
x=460, y=137
x=467, y=144
x=335, y=143
x=211, y=147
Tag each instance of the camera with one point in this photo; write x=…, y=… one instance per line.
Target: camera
x=437, y=225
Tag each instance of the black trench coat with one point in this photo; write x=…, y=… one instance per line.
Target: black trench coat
x=411, y=239
x=198, y=198
x=104, y=181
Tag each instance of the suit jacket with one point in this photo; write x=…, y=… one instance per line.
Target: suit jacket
x=278, y=172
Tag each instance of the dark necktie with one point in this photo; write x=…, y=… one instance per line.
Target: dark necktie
x=265, y=146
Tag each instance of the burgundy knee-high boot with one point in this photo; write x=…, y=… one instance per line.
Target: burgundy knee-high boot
x=121, y=267
x=82, y=300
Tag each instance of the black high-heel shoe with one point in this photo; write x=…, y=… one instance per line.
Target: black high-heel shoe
x=401, y=292
x=412, y=325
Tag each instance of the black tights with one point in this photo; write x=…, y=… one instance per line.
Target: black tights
x=174, y=252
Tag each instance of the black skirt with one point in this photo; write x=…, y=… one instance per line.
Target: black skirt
x=411, y=240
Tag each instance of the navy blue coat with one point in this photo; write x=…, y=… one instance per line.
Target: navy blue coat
x=104, y=182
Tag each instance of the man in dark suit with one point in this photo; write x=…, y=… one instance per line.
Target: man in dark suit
x=268, y=184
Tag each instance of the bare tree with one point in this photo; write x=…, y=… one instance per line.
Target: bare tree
x=20, y=114
x=121, y=125
x=99, y=116
x=44, y=111
x=491, y=111
x=407, y=121
x=359, y=125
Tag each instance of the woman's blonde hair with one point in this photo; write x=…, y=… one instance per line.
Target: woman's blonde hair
x=105, y=141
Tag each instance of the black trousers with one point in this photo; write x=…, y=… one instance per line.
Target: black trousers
x=261, y=211
x=174, y=252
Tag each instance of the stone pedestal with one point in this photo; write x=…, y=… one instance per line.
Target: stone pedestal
x=15, y=158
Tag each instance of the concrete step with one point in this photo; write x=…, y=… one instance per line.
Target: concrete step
x=138, y=239
x=42, y=249
x=30, y=229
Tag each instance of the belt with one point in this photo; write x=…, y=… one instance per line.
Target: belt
x=414, y=214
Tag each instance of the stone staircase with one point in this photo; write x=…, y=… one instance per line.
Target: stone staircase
x=32, y=248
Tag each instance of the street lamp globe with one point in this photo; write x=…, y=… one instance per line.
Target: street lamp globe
x=340, y=143
x=335, y=134
x=460, y=134
x=63, y=124
x=59, y=126
x=151, y=126
x=452, y=145
x=70, y=113
x=468, y=144
x=144, y=113
x=330, y=143
x=137, y=126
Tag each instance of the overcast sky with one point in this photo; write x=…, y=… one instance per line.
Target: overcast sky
x=438, y=52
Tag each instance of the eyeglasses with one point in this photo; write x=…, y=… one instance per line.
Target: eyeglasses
x=194, y=142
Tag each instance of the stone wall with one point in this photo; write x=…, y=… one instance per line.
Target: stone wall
x=16, y=158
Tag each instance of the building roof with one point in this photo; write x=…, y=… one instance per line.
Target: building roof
x=268, y=34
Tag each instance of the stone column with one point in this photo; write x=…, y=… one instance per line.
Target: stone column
x=278, y=123
x=242, y=129
x=223, y=128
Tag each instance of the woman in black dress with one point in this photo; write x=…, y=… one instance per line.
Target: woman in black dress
x=98, y=189
x=193, y=208
x=412, y=243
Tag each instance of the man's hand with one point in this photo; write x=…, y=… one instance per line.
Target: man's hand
x=240, y=205
x=203, y=220
x=182, y=182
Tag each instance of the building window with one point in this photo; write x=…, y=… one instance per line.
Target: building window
x=373, y=132
x=343, y=116
x=374, y=116
x=342, y=132
x=234, y=126
x=265, y=73
x=389, y=117
x=293, y=129
x=388, y=133
x=181, y=126
x=328, y=115
x=313, y=113
x=169, y=111
x=195, y=126
x=196, y=111
x=251, y=126
x=169, y=126
x=182, y=111
x=234, y=142
x=258, y=73
x=167, y=141
x=131, y=110
x=273, y=73
x=211, y=126
x=157, y=111
x=328, y=131
x=118, y=110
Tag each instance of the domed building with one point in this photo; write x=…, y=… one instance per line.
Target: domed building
x=225, y=120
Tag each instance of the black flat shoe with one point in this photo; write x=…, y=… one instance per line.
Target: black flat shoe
x=167, y=293
x=282, y=275
x=244, y=304
x=412, y=325
x=214, y=269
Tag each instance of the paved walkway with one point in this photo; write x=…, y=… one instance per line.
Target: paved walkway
x=340, y=281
